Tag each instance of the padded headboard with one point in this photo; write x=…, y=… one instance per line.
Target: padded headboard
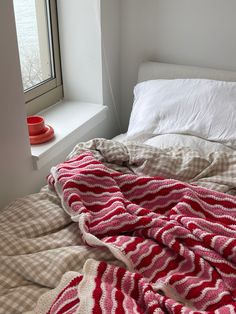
x=157, y=70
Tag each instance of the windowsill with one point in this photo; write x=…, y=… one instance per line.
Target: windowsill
x=70, y=121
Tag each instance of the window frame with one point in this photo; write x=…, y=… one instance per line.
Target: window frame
x=50, y=91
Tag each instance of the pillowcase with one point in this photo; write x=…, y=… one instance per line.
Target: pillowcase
x=198, y=107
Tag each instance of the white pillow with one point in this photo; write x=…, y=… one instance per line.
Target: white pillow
x=199, y=107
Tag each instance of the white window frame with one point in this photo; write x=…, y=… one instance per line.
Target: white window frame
x=51, y=91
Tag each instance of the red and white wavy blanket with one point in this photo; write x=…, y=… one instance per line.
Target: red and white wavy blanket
x=177, y=241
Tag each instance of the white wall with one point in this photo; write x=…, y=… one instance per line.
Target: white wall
x=89, y=73
x=15, y=153
x=192, y=32
x=80, y=41
x=110, y=29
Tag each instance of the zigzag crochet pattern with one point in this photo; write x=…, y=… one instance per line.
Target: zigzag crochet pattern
x=177, y=242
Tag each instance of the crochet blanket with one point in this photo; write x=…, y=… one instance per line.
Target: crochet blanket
x=176, y=240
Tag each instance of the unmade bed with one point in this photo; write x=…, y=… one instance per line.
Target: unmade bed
x=144, y=223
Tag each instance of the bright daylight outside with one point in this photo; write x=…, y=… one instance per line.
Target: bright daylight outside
x=32, y=25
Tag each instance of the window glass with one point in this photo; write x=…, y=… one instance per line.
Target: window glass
x=34, y=41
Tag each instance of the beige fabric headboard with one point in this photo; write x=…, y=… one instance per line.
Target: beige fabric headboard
x=157, y=70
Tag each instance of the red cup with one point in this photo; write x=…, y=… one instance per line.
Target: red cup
x=36, y=125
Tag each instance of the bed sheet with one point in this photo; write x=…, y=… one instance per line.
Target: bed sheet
x=38, y=244
x=164, y=141
x=38, y=241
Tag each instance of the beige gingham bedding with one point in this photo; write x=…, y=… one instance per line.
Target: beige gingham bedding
x=39, y=243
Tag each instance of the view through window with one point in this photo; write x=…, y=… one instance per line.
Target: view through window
x=34, y=42
x=36, y=26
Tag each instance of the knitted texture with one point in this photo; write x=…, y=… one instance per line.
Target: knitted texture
x=177, y=239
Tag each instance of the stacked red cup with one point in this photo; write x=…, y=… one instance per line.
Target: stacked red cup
x=39, y=132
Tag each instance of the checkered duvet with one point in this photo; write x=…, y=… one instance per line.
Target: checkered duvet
x=38, y=241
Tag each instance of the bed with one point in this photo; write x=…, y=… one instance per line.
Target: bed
x=143, y=223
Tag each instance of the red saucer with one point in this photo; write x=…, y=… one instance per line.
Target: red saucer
x=46, y=136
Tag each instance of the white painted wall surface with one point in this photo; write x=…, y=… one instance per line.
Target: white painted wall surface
x=110, y=28
x=192, y=32
x=15, y=159
x=80, y=43
x=83, y=25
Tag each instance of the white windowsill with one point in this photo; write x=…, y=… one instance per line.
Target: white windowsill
x=70, y=121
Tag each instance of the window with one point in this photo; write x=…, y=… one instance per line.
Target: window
x=37, y=34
